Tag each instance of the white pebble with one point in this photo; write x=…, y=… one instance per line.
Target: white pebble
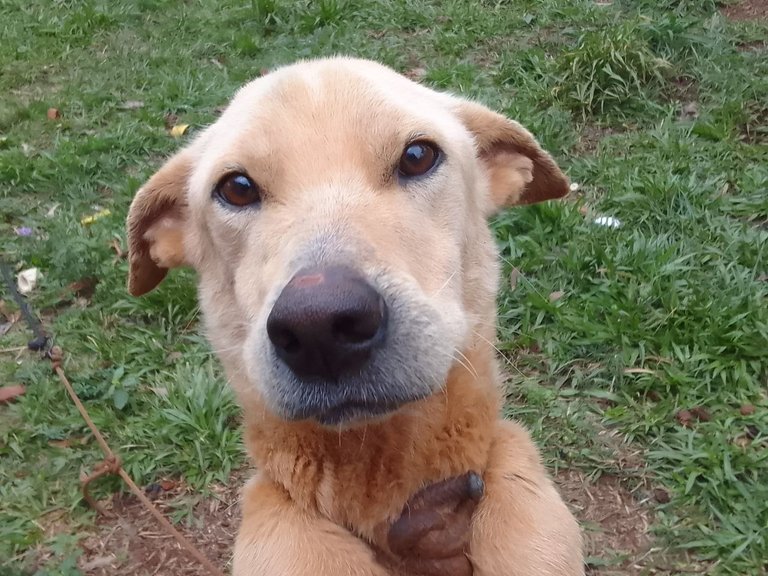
x=609, y=221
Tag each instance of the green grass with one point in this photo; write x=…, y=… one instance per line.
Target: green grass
x=678, y=291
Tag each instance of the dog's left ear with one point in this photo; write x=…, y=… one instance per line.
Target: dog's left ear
x=520, y=172
x=156, y=223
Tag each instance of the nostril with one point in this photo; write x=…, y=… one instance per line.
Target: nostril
x=352, y=330
x=285, y=340
x=358, y=327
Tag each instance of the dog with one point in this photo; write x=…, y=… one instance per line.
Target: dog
x=336, y=216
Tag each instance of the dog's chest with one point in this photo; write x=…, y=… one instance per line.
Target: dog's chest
x=369, y=483
x=361, y=478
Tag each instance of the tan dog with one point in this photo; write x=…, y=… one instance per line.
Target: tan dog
x=335, y=214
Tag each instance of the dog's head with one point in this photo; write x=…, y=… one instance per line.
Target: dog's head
x=335, y=214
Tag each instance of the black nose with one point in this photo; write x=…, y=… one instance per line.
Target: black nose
x=327, y=322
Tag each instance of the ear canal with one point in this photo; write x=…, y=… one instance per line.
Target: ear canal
x=520, y=171
x=155, y=225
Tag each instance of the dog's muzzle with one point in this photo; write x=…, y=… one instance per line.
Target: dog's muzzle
x=341, y=348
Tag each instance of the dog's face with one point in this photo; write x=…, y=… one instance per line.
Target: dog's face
x=335, y=214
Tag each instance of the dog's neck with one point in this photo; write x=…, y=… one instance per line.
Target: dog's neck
x=364, y=475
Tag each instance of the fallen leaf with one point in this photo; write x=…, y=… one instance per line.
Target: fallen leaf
x=168, y=485
x=84, y=287
x=66, y=443
x=170, y=120
x=514, y=276
x=697, y=413
x=556, y=295
x=653, y=396
x=52, y=211
x=131, y=105
x=742, y=441
x=661, y=495
x=639, y=371
x=26, y=280
x=416, y=74
x=118, y=248
x=179, y=130
x=8, y=393
x=583, y=209
x=684, y=417
x=98, y=562
x=701, y=414
x=91, y=218
x=746, y=409
x=53, y=114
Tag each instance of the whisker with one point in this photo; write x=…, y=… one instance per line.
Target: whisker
x=500, y=353
x=471, y=366
x=445, y=283
x=523, y=276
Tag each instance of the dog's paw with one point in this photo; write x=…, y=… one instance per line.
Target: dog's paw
x=431, y=537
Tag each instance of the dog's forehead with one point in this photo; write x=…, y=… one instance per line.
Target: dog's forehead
x=337, y=94
x=316, y=121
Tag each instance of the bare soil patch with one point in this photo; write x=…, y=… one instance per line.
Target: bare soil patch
x=130, y=541
x=616, y=526
x=747, y=10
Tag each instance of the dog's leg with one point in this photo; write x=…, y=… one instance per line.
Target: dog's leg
x=522, y=527
x=277, y=538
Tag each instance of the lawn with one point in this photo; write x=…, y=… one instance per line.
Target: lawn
x=637, y=353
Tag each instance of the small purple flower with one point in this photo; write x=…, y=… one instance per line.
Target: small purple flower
x=23, y=231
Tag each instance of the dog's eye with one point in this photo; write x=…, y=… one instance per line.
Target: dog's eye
x=238, y=190
x=418, y=158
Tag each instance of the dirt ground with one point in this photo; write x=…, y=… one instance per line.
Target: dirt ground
x=130, y=542
x=747, y=10
x=614, y=523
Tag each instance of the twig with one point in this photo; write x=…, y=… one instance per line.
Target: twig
x=111, y=464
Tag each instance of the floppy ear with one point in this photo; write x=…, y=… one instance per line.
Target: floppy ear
x=520, y=171
x=155, y=225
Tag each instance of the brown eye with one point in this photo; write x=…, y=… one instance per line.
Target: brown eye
x=238, y=190
x=418, y=158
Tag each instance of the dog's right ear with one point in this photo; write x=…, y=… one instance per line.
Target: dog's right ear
x=156, y=222
x=520, y=172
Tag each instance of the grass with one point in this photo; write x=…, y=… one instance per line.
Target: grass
x=665, y=313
